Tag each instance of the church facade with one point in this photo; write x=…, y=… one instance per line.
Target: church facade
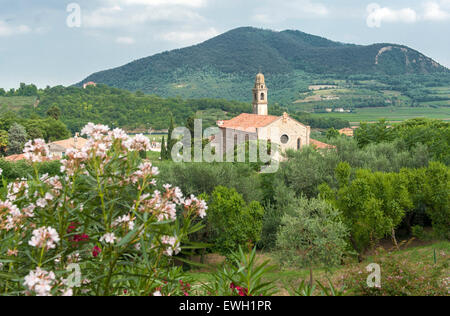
x=283, y=130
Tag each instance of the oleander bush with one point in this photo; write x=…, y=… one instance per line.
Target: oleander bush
x=104, y=228
x=402, y=277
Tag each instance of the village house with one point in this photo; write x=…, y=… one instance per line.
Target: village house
x=347, y=131
x=59, y=148
x=90, y=83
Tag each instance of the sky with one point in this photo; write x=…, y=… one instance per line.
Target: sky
x=53, y=42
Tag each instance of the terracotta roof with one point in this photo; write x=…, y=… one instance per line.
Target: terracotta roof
x=17, y=157
x=320, y=145
x=70, y=143
x=249, y=122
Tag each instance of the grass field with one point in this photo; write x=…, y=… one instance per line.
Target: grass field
x=392, y=114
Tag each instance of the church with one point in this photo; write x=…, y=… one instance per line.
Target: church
x=282, y=130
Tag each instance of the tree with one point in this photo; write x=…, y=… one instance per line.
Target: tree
x=17, y=138
x=372, y=204
x=332, y=133
x=314, y=235
x=170, y=142
x=54, y=112
x=3, y=142
x=437, y=198
x=163, y=149
x=231, y=221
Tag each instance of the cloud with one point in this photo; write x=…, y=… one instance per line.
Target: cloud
x=273, y=12
x=378, y=15
x=190, y=37
x=125, y=40
x=7, y=30
x=187, y=3
x=437, y=11
x=121, y=17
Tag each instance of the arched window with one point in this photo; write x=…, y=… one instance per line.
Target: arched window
x=299, y=143
x=262, y=96
x=256, y=97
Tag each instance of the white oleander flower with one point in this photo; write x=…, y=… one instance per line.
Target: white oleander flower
x=109, y=238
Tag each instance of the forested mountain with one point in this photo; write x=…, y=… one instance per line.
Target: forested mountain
x=224, y=66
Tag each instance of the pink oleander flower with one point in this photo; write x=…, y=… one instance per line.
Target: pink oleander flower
x=10, y=216
x=15, y=189
x=37, y=151
x=109, y=238
x=174, y=245
x=197, y=204
x=40, y=281
x=44, y=237
x=138, y=143
x=126, y=219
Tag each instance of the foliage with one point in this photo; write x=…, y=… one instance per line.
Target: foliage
x=305, y=289
x=401, y=277
x=121, y=108
x=36, y=127
x=231, y=221
x=198, y=178
x=373, y=204
x=105, y=218
x=241, y=275
x=23, y=169
x=435, y=134
x=313, y=236
x=3, y=142
x=437, y=195
x=17, y=137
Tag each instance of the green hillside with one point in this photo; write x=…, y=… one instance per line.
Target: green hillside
x=225, y=66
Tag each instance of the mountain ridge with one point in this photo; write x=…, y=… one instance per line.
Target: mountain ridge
x=235, y=56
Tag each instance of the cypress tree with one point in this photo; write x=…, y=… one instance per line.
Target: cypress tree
x=170, y=141
x=163, y=149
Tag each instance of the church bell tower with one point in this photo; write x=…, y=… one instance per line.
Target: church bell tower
x=260, y=96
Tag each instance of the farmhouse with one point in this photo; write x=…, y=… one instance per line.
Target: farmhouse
x=59, y=148
x=282, y=130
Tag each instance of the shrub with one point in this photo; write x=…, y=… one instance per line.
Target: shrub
x=103, y=229
x=231, y=221
x=198, y=178
x=400, y=277
x=313, y=236
x=241, y=275
x=418, y=232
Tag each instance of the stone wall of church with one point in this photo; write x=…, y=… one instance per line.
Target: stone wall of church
x=297, y=134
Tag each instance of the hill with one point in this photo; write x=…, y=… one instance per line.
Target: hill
x=224, y=66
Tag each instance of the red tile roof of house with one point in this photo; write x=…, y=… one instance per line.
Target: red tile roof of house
x=320, y=145
x=17, y=157
x=249, y=122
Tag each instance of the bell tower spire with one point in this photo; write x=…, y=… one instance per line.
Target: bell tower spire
x=260, y=96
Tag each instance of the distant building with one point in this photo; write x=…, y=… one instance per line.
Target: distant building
x=339, y=110
x=329, y=110
x=14, y=158
x=59, y=148
x=347, y=131
x=259, y=125
x=90, y=83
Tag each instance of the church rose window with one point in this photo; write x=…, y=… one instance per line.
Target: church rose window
x=284, y=139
